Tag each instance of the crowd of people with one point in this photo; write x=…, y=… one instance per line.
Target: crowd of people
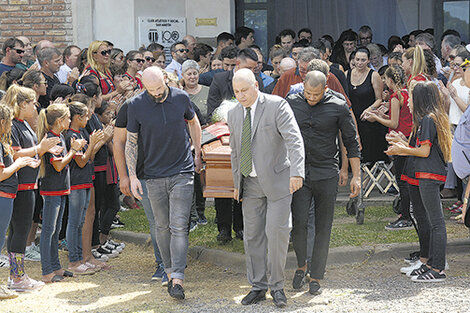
x=81, y=126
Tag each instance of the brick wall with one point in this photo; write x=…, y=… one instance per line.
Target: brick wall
x=37, y=19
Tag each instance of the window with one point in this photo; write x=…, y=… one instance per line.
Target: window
x=456, y=16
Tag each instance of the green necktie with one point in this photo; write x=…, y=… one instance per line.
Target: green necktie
x=246, y=163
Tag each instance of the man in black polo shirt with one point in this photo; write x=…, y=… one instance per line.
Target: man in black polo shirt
x=159, y=115
x=50, y=60
x=320, y=115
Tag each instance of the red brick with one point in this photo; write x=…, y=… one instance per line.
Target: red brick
x=20, y=26
x=9, y=8
x=11, y=33
x=33, y=33
x=42, y=13
x=3, y=27
x=41, y=1
x=33, y=20
x=56, y=7
x=20, y=14
x=11, y=21
x=63, y=13
x=58, y=1
x=41, y=26
x=55, y=32
x=54, y=20
x=19, y=1
x=32, y=7
x=4, y=14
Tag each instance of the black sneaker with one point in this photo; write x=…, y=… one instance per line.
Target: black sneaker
x=109, y=253
x=224, y=236
x=299, y=279
x=202, y=220
x=414, y=256
x=314, y=288
x=399, y=224
x=176, y=291
x=192, y=226
x=418, y=271
x=431, y=276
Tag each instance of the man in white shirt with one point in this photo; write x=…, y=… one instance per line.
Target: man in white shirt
x=68, y=72
x=178, y=55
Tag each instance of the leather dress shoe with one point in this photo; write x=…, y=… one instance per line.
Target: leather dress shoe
x=254, y=296
x=224, y=236
x=239, y=234
x=279, y=298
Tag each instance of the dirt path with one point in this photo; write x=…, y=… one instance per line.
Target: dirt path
x=127, y=287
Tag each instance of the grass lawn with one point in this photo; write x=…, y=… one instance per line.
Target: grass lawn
x=345, y=232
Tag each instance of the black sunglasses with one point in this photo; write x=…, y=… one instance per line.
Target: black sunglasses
x=150, y=59
x=138, y=60
x=19, y=51
x=183, y=50
x=104, y=52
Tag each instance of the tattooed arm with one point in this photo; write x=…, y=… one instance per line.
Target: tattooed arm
x=131, y=160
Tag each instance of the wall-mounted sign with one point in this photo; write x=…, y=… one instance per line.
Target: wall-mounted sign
x=206, y=21
x=163, y=30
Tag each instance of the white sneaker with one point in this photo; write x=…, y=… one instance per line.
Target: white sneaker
x=99, y=256
x=31, y=254
x=35, y=248
x=5, y=293
x=4, y=261
x=413, y=266
x=108, y=245
x=26, y=284
x=120, y=244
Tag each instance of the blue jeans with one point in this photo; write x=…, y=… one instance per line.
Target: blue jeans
x=151, y=218
x=6, y=210
x=52, y=213
x=78, y=203
x=171, y=199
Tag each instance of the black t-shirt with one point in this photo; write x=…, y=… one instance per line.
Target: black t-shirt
x=101, y=156
x=167, y=150
x=80, y=177
x=433, y=166
x=55, y=183
x=51, y=82
x=319, y=125
x=9, y=186
x=409, y=169
x=23, y=137
x=121, y=122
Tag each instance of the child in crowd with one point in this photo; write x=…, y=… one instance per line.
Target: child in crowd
x=428, y=152
x=8, y=190
x=80, y=184
x=55, y=186
x=399, y=120
x=24, y=144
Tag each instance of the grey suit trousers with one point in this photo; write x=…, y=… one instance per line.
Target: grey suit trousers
x=266, y=229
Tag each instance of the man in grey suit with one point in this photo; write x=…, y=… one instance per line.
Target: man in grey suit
x=268, y=166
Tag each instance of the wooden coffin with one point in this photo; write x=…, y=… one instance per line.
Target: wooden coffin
x=217, y=181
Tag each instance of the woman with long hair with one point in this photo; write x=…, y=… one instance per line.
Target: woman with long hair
x=414, y=64
x=132, y=65
x=428, y=151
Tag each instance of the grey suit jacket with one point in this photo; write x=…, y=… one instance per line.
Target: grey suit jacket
x=277, y=147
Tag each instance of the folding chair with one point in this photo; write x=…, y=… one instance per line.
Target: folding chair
x=378, y=175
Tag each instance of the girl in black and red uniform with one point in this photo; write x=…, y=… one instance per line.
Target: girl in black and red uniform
x=134, y=62
x=55, y=186
x=24, y=144
x=428, y=155
x=8, y=189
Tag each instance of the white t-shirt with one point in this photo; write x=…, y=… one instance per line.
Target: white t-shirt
x=454, y=111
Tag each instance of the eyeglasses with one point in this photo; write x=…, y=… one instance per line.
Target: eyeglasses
x=104, y=52
x=138, y=60
x=183, y=50
x=451, y=57
x=19, y=51
x=150, y=59
x=160, y=62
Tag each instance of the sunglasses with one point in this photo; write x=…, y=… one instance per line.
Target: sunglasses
x=104, y=52
x=150, y=59
x=138, y=60
x=183, y=50
x=19, y=51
